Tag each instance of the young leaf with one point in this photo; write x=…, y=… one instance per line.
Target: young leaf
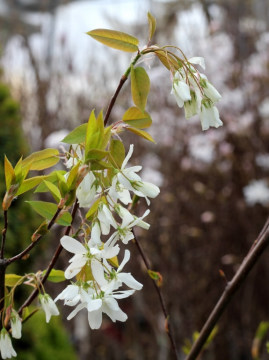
x=116, y=153
x=93, y=209
x=52, y=177
x=140, y=85
x=137, y=118
x=12, y=279
x=141, y=133
x=48, y=210
x=9, y=173
x=115, y=39
x=76, y=136
x=41, y=160
x=53, y=190
x=168, y=61
x=94, y=133
x=95, y=154
x=56, y=276
x=29, y=184
x=152, y=25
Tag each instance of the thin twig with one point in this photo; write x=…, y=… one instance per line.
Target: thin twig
x=34, y=243
x=157, y=288
x=259, y=246
x=4, y=233
x=55, y=257
x=121, y=83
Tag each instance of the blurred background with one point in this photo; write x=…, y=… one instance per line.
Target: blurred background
x=214, y=185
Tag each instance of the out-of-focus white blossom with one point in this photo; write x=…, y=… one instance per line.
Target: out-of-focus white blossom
x=257, y=192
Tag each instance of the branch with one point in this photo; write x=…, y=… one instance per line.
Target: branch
x=51, y=264
x=121, y=83
x=34, y=243
x=4, y=232
x=161, y=299
x=257, y=249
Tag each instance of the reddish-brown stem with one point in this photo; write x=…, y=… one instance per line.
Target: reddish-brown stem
x=34, y=243
x=55, y=257
x=114, y=97
x=4, y=232
x=121, y=83
x=257, y=249
x=161, y=299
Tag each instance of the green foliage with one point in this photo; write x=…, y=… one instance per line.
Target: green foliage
x=140, y=86
x=47, y=210
x=49, y=342
x=115, y=39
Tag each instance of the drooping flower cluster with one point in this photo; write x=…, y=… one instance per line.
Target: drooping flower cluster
x=95, y=261
x=6, y=347
x=198, y=96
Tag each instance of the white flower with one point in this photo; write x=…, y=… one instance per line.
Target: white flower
x=71, y=295
x=117, y=277
x=87, y=190
x=191, y=107
x=6, y=347
x=210, y=91
x=132, y=182
x=118, y=191
x=197, y=60
x=84, y=253
x=48, y=306
x=181, y=91
x=105, y=218
x=209, y=116
x=103, y=302
x=124, y=231
x=15, y=322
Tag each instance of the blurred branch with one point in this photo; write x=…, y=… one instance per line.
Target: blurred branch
x=157, y=288
x=259, y=246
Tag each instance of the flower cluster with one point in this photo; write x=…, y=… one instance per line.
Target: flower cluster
x=198, y=96
x=99, y=277
x=6, y=347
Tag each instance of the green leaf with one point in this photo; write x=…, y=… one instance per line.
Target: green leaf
x=137, y=118
x=100, y=165
x=106, y=137
x=10, y=176
x=41, y=160
x=48, y=210
x=76, y=136
x=52, y=177
x=116, y=153
x=140, y=85
x=53, y=190
x=55, y=276
x=152, y=25
x=12, y=279
x=95, y=154
x=29, y=184
x=141, y=133
x=72, y=178
x=115, y=39
x=94, y=134
x=93, y=209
